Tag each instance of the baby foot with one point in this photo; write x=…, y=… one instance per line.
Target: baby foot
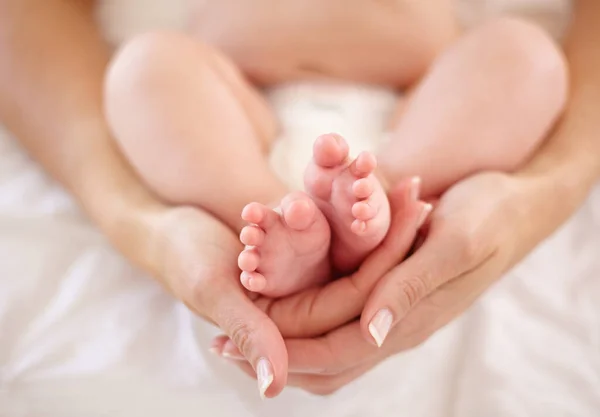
x=286, y=249
x=351, y=198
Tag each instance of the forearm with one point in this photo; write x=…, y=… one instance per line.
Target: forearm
x=560, y=176
x=570, y=159
x=51, y=71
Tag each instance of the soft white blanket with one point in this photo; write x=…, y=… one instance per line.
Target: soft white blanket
x=84, y=334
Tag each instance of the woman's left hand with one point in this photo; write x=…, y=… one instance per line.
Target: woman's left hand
x=481, y=228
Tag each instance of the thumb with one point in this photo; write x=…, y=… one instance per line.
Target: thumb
x=317, y=310
x=254, y=334
x=197, y=256
x=440, y=259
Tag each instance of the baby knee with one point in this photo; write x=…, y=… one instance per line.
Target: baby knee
x=527, y=52
x=152, y=58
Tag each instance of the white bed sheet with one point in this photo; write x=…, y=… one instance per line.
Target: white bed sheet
x=84, y=334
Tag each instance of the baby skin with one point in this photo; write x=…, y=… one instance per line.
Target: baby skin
x=341, y=218
x=197, y=131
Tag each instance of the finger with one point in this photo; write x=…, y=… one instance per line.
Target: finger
x=204, y=277
x=338, y=351
x=324, y=364
x=253, y=333
x=329, y=384
x=346, y=348
x=244, y=366
x=315, y=383
x=447, y=253
x=228, y=349
x=309, y=313
x=335, y=352
x=445, y=304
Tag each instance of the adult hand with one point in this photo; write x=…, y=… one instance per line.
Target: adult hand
x=310, y=313
x=481, y=228
x=195, y=257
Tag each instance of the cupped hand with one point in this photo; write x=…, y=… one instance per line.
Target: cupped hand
x=480, y=228
x=195, y=257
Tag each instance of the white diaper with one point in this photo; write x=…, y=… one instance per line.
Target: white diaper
x=306, y=110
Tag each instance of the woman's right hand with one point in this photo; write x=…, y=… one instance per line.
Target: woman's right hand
x=195, y=256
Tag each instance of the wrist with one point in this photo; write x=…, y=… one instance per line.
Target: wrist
x=117, y=202
x=562, y=178
x=129, y=220
x=550, y=191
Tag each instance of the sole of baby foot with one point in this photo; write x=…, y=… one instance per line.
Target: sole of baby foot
x=286, y=248
x=351, y=197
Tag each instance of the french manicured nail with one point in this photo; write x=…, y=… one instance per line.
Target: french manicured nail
x=415, y=188
x=214, y=351
x=230, y=351
x=232, y=356
x=264, y=375
x=425, y=211
x=380, y=325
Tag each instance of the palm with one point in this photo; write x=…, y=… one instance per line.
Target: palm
x=465, y=243
x=198, y=252
x=474, y=200
x=198, y=259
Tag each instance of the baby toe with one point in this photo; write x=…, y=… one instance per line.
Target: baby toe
x=298, y=211
x=363, y=211
x=330, y=150
x=253, y=281
x=260, y=215
x=363, y=165
x=358, y=227
x=248, y=260
x=253, y=213
x=252, y=236
x=363, y=188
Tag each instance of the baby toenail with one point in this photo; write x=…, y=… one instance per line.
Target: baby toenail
x=338, y=139
x=245, y=278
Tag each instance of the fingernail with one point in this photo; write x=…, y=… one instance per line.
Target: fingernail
x=230, y=351
x=214, y=351
x=415, y=188
x=264, y=375
x=228, y=355
x=427, y=208
x=380, y=325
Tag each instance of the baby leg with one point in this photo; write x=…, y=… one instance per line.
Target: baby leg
x=195, y=131
x=190, y=125
x=486, y=104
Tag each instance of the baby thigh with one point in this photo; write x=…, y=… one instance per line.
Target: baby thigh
x=486, y=104
x=190, y=125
